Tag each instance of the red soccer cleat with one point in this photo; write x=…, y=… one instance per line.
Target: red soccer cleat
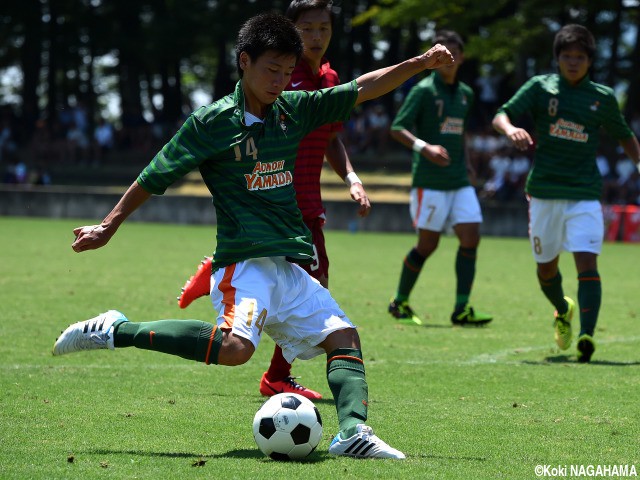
x=288, y=385
x=198, y=285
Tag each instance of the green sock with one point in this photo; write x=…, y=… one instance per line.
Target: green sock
x=345, y=374
x=589, y=299
x=190, y=339
x=465, y=273
x=411, y=268
x=552, y=289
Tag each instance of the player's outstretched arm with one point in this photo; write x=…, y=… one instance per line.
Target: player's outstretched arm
x=95, y=236
x=519, y=136
x=337, y=156
x=375, y=84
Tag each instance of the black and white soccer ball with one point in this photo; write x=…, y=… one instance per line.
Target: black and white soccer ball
x=287, y=427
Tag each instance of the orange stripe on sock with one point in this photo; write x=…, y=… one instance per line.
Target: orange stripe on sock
x=151, y=334
x=409, y=266
x=228, y=296
x=589, y=279
x=345, y=357
x=213, y=333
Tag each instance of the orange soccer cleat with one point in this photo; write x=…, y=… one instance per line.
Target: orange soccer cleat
x=198, y=285
x=288, y=385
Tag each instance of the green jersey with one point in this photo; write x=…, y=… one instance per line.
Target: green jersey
x=567, y=122
x=249, y=169
x=437, y=113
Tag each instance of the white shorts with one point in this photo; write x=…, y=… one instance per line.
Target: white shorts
x=435, y=210
x=273, y=295
x=556, y=225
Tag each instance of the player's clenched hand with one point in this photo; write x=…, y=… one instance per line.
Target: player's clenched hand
x=437, y=56
x=437, y=154
x=360, y=195
x=90, y=238
x=520, y=138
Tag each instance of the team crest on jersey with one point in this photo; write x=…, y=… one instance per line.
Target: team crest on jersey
x=268, y=175
x=595, y=106
x=283, y=125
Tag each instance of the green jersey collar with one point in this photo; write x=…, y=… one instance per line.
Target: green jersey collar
x=585, y=80
x=441, y=83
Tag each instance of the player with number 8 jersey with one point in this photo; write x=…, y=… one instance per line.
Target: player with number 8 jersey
x=564, y=186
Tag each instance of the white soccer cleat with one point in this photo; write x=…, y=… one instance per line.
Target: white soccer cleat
x=91, y=334
x=364, y=444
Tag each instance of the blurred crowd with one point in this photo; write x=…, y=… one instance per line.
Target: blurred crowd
x=70, y=139
x=500, y=169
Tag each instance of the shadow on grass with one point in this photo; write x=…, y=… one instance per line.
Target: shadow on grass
x=409, y=325
x=199, y=460
x=315, y=457
x=572, y=359
x=455, y=458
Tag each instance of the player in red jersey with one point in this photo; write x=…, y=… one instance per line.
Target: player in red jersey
x=314, y=20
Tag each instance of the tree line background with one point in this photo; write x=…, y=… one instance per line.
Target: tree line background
x=150, y=56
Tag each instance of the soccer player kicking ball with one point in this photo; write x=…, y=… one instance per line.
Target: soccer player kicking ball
x=314, y=20
x=564, y=185
x=244, y=146
x=437, y=109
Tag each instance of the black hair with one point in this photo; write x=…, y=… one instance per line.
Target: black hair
x=449, y=36
x=574, y=34
x=298, y=7
x=268, y=31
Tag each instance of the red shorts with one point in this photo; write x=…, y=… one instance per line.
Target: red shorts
x=320, y=266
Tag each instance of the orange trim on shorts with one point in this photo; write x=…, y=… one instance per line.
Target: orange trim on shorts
x=228, y=297
x=213, y=333
x=345, y=357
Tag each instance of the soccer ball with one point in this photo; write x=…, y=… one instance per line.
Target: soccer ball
x=287, y=427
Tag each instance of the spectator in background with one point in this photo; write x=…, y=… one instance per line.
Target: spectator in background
x=40, y=176
x=103, y=137
x=635, y=123
x=377, y=129
x=609, y=179
x=499, y=164
x=627, y=181
x=517, y=175
x=8, y=145
x=78, y=145
x=488, y=84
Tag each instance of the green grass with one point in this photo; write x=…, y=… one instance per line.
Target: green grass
x=461, y=403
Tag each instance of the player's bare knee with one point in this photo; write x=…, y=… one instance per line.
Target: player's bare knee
x=344, y=338
x=235, y=350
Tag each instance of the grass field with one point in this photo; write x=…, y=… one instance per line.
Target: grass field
x=461, y=403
